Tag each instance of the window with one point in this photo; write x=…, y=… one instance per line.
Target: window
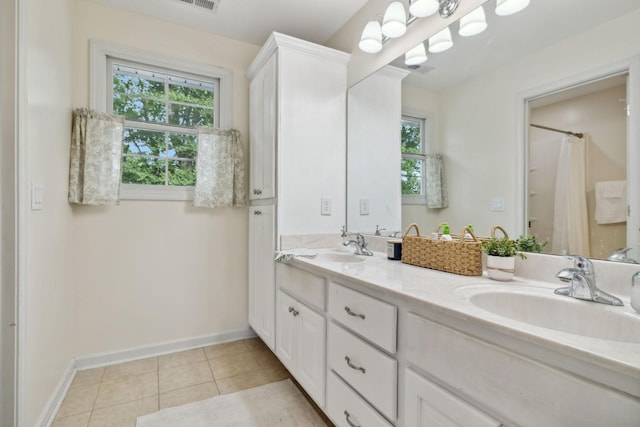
x=413, y=147
x=163, y=102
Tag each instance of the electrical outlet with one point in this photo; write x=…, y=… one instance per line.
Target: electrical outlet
x=497, y=204
x=325, y=206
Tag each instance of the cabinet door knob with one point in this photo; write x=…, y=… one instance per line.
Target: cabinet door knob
x=354, y=367
x=293, y=311
x=257, y=212
x=347, y=416
x=351, y=313
x=257, y=192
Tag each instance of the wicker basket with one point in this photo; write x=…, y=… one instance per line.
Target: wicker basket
x=458, y=256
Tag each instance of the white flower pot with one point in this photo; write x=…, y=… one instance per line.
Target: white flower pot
x=501, y=268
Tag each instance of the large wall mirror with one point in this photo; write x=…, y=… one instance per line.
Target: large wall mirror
x=568, y=66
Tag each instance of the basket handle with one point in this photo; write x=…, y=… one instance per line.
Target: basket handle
x=414, y=225
x=466, y=229
x=497, y=227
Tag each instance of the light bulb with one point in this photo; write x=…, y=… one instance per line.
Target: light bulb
x=473, y=23
x=440, y=41
x=371, y=39
x=415, y=55
x=509, y=7
x=422, y=8
x=394, y=23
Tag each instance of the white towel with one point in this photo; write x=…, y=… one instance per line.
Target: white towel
x=611, y=202
x=285, y=256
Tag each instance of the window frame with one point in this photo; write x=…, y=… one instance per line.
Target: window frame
x=426, y=137
x=101, y=56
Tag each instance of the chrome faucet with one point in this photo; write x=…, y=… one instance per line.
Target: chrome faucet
x=360, y=245
x=582, y=283
x=620, y=255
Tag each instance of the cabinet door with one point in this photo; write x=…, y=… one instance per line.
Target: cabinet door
x=262, y=132
x=429, y=405
x=262, y=272
x=311, y=354
x=286, y=334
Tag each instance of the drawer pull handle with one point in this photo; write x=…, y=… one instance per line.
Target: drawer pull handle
x=257, y=212
x=257, y=192
x=351, y=313
x=293, y=311
x=352, y=366
x=347, y=415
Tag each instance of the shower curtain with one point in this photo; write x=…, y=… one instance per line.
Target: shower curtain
x=570, y=222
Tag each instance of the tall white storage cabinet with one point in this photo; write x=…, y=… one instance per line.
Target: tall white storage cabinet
x=297, y=142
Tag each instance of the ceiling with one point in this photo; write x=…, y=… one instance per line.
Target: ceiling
x=252, y=21
x=508, y=38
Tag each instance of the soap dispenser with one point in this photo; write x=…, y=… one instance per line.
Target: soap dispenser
x=446, y=232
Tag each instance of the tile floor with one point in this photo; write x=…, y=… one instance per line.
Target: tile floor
x=116, y=395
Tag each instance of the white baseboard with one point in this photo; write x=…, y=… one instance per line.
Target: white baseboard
x=127, y=355
x=52, y=406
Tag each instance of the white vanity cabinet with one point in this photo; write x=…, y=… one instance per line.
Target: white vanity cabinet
x=428, y=405
x=301, y=328
x=361, y=328
x=262, y=226
x=297, y=143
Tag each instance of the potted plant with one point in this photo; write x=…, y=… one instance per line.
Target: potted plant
x=529, y=244
x=501, y=253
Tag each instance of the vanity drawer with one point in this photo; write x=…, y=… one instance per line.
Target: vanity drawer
x=373, y=319
x=369, y=371
x=347, y=409
x=305, y=286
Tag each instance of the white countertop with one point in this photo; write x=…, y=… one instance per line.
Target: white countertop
x=449, y=294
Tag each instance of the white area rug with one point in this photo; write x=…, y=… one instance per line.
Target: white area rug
x=276, y=404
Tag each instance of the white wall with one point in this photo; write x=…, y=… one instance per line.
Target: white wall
x=146, y=272
x=479, y=120
x=49, y=299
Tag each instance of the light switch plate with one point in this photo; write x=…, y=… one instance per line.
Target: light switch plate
x=37, y=197
x=364, y=206
x=325, y=206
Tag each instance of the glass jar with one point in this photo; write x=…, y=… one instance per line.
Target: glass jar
x=635, y=291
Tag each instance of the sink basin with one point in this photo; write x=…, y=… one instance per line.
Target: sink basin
x=340, y=257
x=541, y=307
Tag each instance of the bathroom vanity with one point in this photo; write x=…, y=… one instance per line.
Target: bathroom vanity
x=378, y=343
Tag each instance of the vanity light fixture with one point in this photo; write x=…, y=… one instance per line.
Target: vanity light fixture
x=371, y=39
x=416, y=55
x=473, y=23
x=440, y=41
x=394, y=22
x=509, y=7
x=423, y=8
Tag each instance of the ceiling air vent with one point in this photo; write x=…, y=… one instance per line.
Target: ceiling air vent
x=210, y=5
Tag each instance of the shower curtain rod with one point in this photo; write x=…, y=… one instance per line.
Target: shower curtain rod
x=566, y=132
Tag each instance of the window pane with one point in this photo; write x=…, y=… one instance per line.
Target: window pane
x=138, y=141
x=411, y=137
x=184, y=115
x=143, y=170
x=137, y=86
x=191, y=95
x=411, y=176
x=140, y=109
x=182, y=172
x=182, y=145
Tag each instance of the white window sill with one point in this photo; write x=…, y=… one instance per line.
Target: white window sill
x=155, y=192
x=414, y=200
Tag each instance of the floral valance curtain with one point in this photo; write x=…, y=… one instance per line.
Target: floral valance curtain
x=96, y=153
x=437, y=196
x=219, y=169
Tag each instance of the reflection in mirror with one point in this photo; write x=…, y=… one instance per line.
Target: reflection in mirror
x=477, y=92
x=577, y=183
